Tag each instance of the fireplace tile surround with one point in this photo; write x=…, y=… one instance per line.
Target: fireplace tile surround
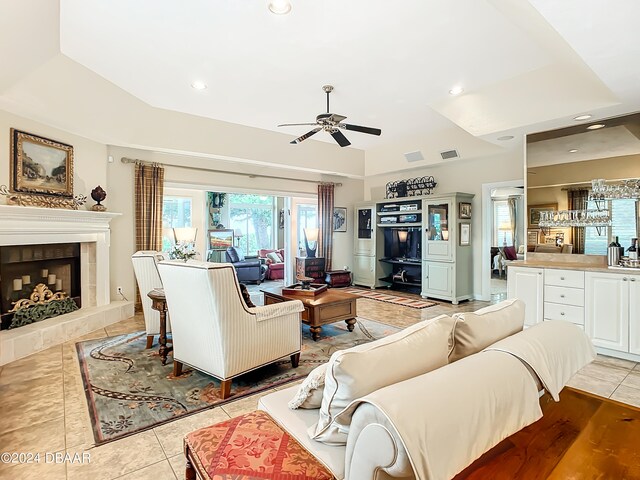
x=32, y=225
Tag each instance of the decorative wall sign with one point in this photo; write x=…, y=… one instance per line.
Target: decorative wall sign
x=412, y=187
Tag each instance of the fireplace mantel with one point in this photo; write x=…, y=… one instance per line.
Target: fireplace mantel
x=33, y=226
x=16, y=219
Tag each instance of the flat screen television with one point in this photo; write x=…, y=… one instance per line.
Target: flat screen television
x=393, y=248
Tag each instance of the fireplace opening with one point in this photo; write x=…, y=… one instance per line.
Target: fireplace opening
x=38, y=282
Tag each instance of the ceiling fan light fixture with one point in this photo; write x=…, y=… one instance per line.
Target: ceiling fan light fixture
x=279, y=7
x=457, y=90
x=586, y=116
x=596, y=126
x=505, y=138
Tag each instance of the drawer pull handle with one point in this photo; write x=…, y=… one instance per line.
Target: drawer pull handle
x=624, y=279
x=562, y=313
x=632, y=279
x=561, y=278
x=562, y=296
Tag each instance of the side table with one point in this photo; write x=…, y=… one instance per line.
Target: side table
x=159, y=302
x=338, y=278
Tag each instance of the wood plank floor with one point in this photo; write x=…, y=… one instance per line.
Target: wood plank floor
x=581, y=437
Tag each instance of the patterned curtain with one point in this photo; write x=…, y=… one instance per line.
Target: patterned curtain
x=577, y=200
x=513, y=216
x=325, y=222
x=149, y=186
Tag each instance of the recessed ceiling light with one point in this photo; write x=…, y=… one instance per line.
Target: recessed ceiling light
x=596, y=126
x=573, y=150
x=198, y=85
x=457, y=90
x=505, y=137
x=583, y=117
x=280, y=7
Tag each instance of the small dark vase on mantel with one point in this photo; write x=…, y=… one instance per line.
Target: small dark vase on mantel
x=98, y=194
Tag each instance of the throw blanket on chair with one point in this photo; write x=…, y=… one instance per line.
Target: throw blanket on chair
x=555, y=350
x=451, y=416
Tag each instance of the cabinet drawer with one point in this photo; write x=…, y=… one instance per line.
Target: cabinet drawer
x=564, y=295
x=570, y=313
x=564, y=278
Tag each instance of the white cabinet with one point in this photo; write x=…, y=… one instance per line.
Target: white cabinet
x=365, y=237
x=364, y=270
x=607, y=310
x=634, y=315
x=527, y=284
x=437, y=279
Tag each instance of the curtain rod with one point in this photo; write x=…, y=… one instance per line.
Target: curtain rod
x=226, y=172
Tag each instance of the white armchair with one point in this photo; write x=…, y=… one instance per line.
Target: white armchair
x=215, y=332
x=146, y=270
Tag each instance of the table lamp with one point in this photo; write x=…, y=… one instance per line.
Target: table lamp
x=311, y=241
x=402, y=238
x=185, y=236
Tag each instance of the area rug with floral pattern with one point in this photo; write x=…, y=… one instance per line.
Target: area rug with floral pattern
x=128, y=390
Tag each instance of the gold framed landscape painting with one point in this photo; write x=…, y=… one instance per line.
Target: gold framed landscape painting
x=40, y=166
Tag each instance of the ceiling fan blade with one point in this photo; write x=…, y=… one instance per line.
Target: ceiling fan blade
x=335, y=118
x=358, y=128
x=340, y=138
x=295, y=124
x=306, y=135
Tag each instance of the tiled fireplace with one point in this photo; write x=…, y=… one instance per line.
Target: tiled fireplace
x=72, y=248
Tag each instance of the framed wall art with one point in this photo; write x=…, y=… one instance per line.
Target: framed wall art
x=464, y=210
x=40, y=165
x=534, y=212
x=220, y=239
x=465, y=234
x=339, y=219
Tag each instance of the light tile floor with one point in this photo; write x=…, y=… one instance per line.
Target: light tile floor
x=44, y=408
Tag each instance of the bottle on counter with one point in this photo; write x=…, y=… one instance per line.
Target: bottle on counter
x=616, y=243
x=613, y=253
x=633, y=249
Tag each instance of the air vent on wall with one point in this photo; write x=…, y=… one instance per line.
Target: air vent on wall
x=414, y=156
x=449, y=154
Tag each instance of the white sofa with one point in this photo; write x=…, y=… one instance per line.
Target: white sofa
x=433, y=425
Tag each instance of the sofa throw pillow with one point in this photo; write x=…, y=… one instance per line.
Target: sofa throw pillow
x=273, y=256
x=475, y=331
x=280, y=255
x=358, y=371
x=510, y=253
x=309, y=394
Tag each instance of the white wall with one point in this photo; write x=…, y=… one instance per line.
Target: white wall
x=460, y=176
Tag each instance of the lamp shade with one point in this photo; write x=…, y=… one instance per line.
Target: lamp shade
x=402, y=236
x=311, y=234
x=185, y=235
x=445, y=234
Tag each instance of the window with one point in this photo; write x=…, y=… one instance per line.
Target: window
x=253, y=219
x=624, y=225
x=501, y=223
x=176, y=213
x=307, y=218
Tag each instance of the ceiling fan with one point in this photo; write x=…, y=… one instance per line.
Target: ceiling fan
x=332, y=123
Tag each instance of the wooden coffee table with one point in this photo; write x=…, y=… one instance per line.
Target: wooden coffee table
x=327, y=307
